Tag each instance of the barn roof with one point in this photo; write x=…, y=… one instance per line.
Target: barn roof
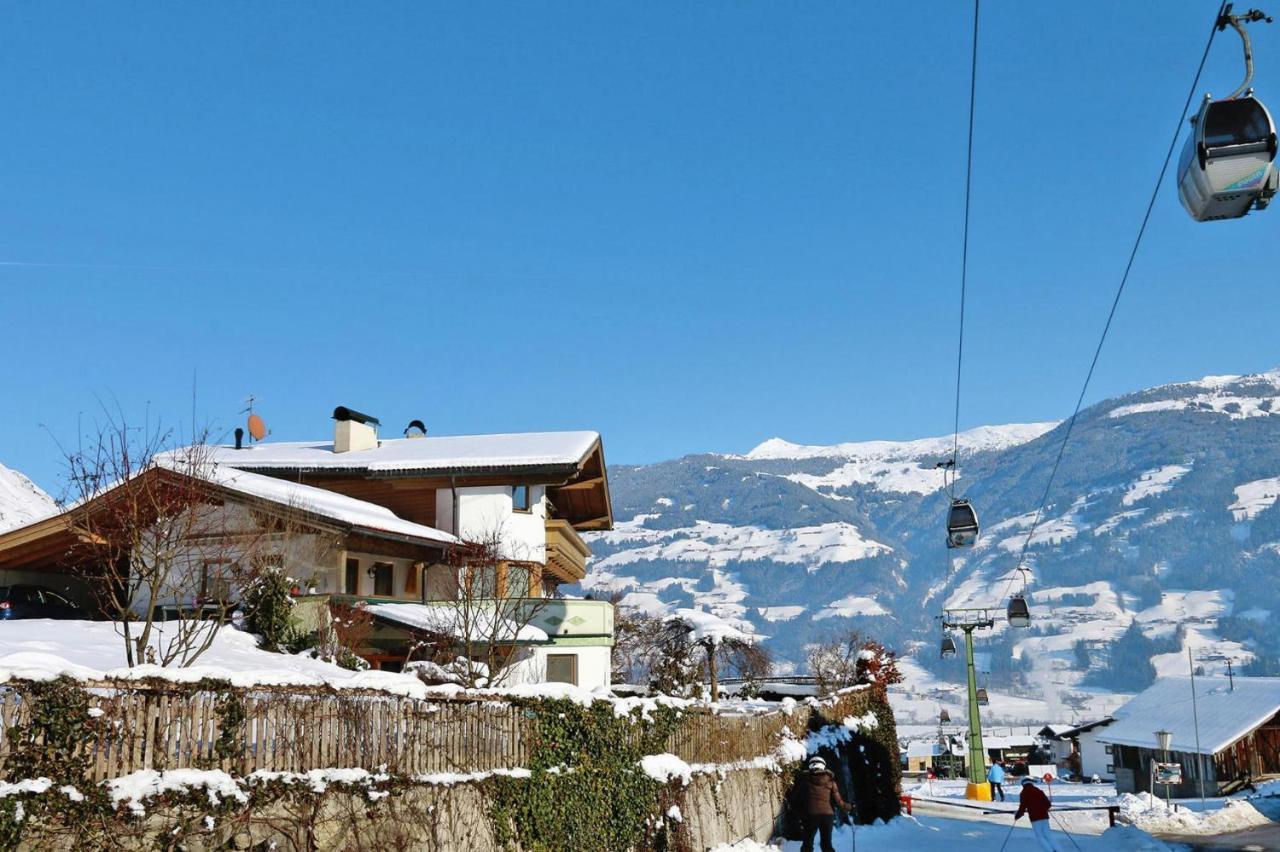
x=1225, y=712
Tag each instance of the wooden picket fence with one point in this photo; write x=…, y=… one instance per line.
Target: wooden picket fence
x=297, y=729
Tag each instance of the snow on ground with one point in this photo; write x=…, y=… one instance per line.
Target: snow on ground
x=918, y=699
x=780, y=613
x=974, y=440
x=1237, y=397
x=849, y=606
x=1050, y=531
x=1167, y=516
x=21, y=500
x=1154, y=482
x=893, y=466
x=718, y=544
x=1255, y=497
x=927, y=832
x=1116, y=520
x=1153, y=815
x=42, y=647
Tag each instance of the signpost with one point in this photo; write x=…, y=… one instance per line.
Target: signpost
x=1166, y=773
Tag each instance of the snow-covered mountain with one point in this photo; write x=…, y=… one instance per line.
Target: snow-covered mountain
x=21, y=500
x=1162, y=531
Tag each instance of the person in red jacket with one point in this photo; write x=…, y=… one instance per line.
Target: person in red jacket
x=1033, y=802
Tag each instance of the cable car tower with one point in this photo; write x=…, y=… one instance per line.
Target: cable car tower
x=969, y=620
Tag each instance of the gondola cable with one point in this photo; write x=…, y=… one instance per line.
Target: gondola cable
x=1021, y=569
x=964, y=251
x=962, y=521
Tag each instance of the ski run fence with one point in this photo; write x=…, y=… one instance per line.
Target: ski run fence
x=160, y=726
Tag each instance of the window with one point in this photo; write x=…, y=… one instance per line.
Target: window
x=1106, y=749
x=1237, y=122
x=351, y=584
x=520, y=498
x=562, y=668
x=382, y=574
x=1111, y=769
x=517, y=581
x=215, y=581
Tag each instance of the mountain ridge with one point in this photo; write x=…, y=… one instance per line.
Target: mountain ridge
x=1164, y=510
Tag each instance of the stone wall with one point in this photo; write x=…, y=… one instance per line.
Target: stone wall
x=731, y=806
x=716, y=808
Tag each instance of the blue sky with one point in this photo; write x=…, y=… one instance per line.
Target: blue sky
x=689, y=226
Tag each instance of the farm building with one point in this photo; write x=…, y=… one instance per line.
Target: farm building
x=1229, y=733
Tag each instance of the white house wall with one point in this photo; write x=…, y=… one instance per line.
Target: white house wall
x=486, y=514
x=594, y=668
x=1093, y=757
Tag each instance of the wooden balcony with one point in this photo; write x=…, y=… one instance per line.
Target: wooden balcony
x=566, y=552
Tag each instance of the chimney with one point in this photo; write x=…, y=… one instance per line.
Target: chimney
x=239, y=438
x=353, y=431
x=415, y=429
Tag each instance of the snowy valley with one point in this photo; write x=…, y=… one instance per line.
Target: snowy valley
x=1162, y=519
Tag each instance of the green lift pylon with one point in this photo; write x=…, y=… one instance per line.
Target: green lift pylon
x=969, y=620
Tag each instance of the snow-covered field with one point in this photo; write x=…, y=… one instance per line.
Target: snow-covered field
x=904, y=467
x=41, y=647
x=954, y=835
x=718, y=544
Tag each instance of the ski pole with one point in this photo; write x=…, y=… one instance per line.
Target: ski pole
x=1007, y=836
x=1064, y=831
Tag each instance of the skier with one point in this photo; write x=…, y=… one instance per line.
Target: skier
x=1036, y=804
x=816, y=797
x=995, y=777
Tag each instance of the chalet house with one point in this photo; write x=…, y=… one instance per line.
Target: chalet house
x=383, y=522
x=527, y=496
x=234, y=517
x=1230, y=732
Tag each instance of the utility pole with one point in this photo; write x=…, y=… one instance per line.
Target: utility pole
x=1195, y=716
x=969, y=620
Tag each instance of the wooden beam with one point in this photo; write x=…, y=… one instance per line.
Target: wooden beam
x=583, y=484
x=593, y=523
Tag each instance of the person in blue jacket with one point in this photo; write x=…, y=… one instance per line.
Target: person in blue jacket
x=995, y=775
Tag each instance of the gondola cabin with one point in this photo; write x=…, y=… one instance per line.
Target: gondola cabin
x=1228, y=163
x=962, y=524
x=1018, y=613
x=983, y=700
x=948, y=647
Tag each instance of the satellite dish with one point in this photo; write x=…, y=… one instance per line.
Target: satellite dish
x=257, y=427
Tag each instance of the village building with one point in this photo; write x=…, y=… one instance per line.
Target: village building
x=394, y=525
x=1229, y=734
x=1082, y=744
x=526, y=496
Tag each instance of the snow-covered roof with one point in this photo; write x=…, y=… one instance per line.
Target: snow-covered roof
x=1008, y=741
x=1084, y=728
x=358, y=514
x=1225, y=714
x=446, y=618
x=425, y=455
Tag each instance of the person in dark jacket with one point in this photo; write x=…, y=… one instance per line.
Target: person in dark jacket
x=1033, y=802
x=816, y=797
